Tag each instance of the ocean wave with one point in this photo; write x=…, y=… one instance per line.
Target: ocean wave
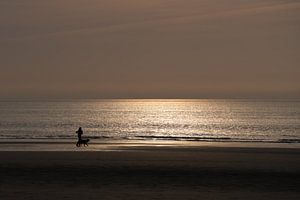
x=162, y=138
x=217, y=139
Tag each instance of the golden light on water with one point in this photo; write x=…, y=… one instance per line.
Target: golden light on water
x=166, y=118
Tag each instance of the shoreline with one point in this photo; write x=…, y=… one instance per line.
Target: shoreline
x=128, y=145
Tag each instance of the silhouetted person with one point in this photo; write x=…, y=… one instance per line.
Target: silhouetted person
x=79, y=133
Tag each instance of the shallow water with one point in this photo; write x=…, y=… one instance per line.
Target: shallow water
x=195, y=120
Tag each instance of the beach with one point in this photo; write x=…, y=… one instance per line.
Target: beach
x=151, y=172
x=150, y=100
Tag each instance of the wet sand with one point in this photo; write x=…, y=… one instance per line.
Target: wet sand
x=151, y=172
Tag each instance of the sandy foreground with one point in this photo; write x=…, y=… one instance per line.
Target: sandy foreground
x=152, y=172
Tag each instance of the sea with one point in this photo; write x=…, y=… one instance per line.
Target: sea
x=211, y=120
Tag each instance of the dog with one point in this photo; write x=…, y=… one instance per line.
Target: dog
x=84, y=142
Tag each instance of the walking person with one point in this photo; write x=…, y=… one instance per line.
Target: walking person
x=80, y=140
x=79, y=133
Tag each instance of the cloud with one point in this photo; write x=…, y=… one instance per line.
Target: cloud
x=257, y=7
x=192, y=47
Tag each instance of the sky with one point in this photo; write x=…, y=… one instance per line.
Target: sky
x=150, y=49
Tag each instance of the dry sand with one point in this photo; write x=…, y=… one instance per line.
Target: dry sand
x=152, y=173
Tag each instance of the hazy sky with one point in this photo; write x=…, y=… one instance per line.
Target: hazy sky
x=149, y=48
